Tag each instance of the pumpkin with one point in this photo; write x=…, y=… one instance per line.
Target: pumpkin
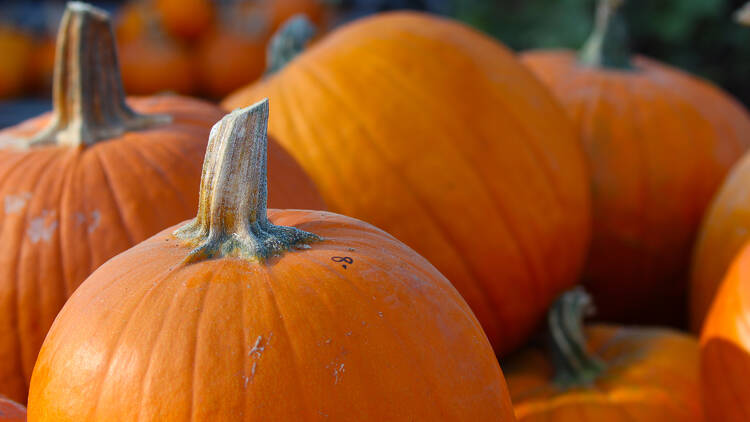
x=90, y=180
x=43, y=63
x=16, y=47
x=659, y=143
x=249, y=314
x=11, y=411
x=604, y=372
x=723, y=232
x=151, y=60
x=725, y=348
x=186, y=19
x=438, y=135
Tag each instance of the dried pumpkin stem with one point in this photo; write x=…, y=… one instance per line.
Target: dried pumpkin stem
x=88, y=97
x=607, y=45
x=232, y=219
x=574, y=365
x=288, y=42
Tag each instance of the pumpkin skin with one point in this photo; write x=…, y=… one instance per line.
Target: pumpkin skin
x=220, y=76
x=723, y=232
x=154, y=64
x=186, y=19
x=659, y=143
x=652, y=376
x=376, y=116
x=296, y=337
x=65, y=210
x=725, y=348
x=11, y=411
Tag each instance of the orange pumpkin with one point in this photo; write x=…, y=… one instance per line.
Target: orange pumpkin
x=437, y=134
x=250, y=314
x=604, y=372
x=186, y=19
x=659, y=143
x=725, y=346
x=226, y=60
x=90, y=180
x=16, y=48
x=43, y=64
x=725, y=229
x=11, y=411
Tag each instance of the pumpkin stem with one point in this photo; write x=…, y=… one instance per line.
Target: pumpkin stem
x=743, y=14
x=232, y=219
x=607, y=45
x=288, y=42
x=88, y=97
x=574, y=365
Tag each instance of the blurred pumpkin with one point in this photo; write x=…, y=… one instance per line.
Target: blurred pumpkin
x=482, y=173
x=43, y=63
x=245, y=314
x=11, y=411
x=604, y=372
x=186, y=19
x=659, y=143
x=16, y=47
x=725, y=229
x=151, y=61
x=91, y=179
x=725, y=346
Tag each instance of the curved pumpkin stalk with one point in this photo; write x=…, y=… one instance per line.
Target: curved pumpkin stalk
x=607, y=44
x=88, y=96
x=574, y=365
x=232, y=219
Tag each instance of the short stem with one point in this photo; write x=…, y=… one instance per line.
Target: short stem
x=607, y=44
x=88, y=97
x=288, y=42
x=232, y=219
x=574, y=365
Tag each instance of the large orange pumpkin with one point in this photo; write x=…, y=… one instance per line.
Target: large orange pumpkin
x=725, y=346
x=659, y=143
x=247, y=315
x=604, y=372
x=11, y=411
x=437, y=134
x=725, y=229
x=90, y=180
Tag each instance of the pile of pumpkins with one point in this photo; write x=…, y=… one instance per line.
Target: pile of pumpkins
x=438, y=205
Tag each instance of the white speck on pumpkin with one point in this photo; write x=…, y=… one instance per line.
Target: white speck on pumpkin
x=39, y=229
x=16, y=203
x=337, y=373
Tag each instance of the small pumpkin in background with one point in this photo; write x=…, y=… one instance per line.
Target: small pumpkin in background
x=43, y=63
x=11, y=411
x=724, y=231
x=151, y=60
x=246, y=313
x=85, y=182
x=437, y=134
x=186, y=19
x=233, y=54
x=659, y=143
x=603, y=372
x=16, y=63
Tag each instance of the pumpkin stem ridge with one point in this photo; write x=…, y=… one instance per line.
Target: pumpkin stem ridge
x=232, y=220
x=288, y=42
x=88, y=95
x=574, y=365
x=607, y=45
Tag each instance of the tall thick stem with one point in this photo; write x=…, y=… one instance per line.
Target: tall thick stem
x=232, y=219
x=288, y=42
x=88, y=97
x=574, y=365
x=607, y=45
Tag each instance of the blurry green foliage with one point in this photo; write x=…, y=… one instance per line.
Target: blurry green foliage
x=699, y=36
